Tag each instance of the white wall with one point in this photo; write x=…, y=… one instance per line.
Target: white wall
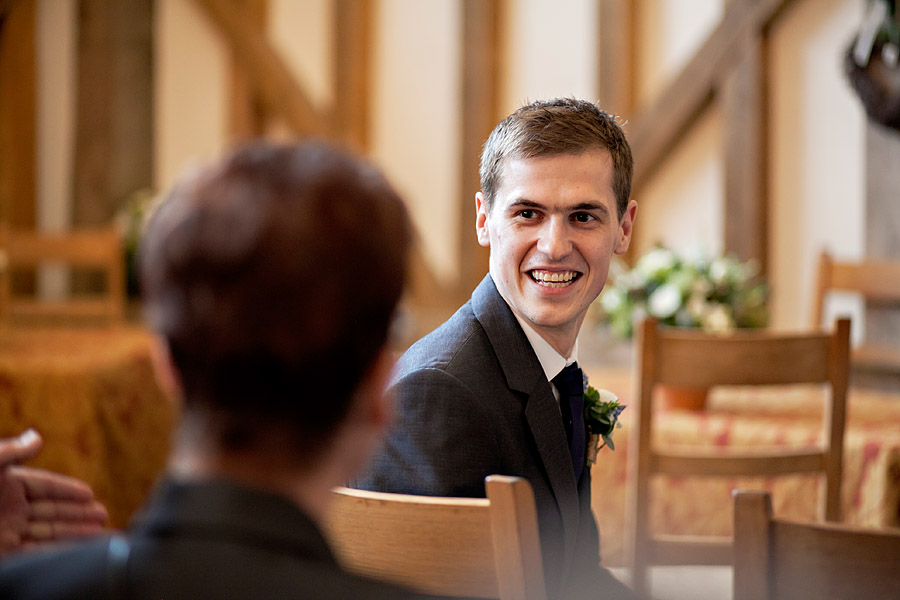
x=416, y=118
x=817, y=153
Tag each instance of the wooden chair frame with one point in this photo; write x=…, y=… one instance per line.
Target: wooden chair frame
x=458, y=547
x=778, y=559
x=99, y=249
x=877, y=282
x=691, y=358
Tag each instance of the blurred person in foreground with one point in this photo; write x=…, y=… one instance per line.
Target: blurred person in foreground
x=497, y=388
x=38, y=506
x=271, y=279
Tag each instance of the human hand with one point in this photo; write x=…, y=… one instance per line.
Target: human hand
x=38, y=505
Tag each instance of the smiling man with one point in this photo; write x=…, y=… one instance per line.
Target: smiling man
x=485, y=393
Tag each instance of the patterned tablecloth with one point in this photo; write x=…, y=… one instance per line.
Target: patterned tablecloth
x=760, y=417
x=93, y=396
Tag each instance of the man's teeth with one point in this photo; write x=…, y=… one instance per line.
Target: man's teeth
x=554, y=280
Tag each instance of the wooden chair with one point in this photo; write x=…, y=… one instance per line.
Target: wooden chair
x=691, y=358
x=97, y=250
x=878, y=283
x=776, y=559
x=458, y=547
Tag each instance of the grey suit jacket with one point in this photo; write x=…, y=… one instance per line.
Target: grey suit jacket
x=472, y=400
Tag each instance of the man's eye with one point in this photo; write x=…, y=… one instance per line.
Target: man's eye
x=526, y=214
x=583, y=217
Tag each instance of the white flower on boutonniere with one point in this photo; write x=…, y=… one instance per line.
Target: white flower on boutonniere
x=601, y=415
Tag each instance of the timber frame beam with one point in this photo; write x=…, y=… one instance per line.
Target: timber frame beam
x=731, y=65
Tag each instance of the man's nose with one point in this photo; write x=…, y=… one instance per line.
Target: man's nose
x=555, y=241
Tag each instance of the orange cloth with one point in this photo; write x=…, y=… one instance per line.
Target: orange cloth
x=93, y=396
x=743, y=417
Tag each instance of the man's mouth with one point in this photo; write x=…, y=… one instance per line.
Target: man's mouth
x=554, y=279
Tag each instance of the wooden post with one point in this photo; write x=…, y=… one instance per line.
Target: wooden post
x=17, y=114
x=481, y=58
x=114, y=108
x=247, y=114
x=743, y=97
x=616, y=34
x=353, y=63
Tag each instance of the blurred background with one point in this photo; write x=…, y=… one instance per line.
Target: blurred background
x=748, y=138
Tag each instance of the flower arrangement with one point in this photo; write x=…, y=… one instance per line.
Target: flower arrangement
x=717, y=294
x=601, y=414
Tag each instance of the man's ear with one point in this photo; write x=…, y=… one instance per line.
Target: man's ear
x=481, y=217
x=626, y=227
x=166, y=372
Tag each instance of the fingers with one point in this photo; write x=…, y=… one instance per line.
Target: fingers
x=22, y=447
x=45, y=531
x=73, y=512
x=45, y=485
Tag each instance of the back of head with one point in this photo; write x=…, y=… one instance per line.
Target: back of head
x=558, y=126
x=273, y=276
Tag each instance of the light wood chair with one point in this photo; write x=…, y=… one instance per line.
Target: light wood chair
x=97, y=250
x=691, y=358
x=457, y=547
x=878, y=283
x=782, y=560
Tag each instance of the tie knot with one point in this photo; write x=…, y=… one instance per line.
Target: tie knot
x=570, y=381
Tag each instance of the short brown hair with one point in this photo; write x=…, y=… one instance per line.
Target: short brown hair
x=274, y=275
x=559, y=126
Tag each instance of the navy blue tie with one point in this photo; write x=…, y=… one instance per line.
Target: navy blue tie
x=570, y=384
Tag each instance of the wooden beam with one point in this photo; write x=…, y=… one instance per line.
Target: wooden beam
x=617, y=63
x=743, y=96
x=480, y=100
x=270, y=75
x=247, y=118
x=353, y=63
x=17, y=115
x=113, y=155
x=658, y=127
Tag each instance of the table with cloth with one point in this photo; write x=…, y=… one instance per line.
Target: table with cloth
x=786, y=416
x=92, y=394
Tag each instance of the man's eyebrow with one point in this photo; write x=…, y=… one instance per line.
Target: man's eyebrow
x=598, y=206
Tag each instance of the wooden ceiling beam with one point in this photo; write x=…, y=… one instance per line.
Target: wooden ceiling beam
x=276, y=85
x=657, y=128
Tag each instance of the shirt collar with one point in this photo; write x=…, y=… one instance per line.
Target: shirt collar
x=551, y=361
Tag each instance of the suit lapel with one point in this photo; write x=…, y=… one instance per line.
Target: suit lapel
x=524, y=374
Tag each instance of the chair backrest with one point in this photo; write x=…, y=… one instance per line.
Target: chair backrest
x=97, y=250
x=458, y=547
x=692, y=358
x=782, y=560
x=877, y=282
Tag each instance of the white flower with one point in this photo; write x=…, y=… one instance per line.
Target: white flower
x=607, y=396
x=718, y=319
x=656, y=261
x=718, y=270
x=664, y=301
x=611, y=300
x=697, y=307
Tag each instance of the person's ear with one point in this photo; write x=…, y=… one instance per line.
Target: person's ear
x=626, y=227
x=481, y=220
x=166, y=372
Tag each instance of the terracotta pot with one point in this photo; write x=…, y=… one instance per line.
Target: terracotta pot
x=681, y=398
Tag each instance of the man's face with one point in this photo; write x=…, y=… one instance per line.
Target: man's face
x=552, y=230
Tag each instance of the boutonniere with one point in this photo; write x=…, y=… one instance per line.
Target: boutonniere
x=601, y=415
